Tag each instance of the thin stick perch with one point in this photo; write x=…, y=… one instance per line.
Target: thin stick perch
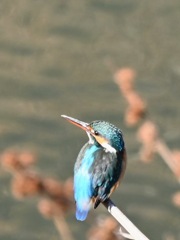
x=63, y=228
x=134, y=232
x=167, y=156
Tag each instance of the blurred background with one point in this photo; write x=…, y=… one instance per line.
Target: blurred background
x=59, y=57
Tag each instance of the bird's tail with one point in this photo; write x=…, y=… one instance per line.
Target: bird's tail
x=81, y=214
x=82, y=210
x=82, y=193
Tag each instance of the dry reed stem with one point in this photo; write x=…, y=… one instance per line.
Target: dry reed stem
x=176, y=199
x=62, y=227
x=136, y=110
x=134, y=232
x=167, y=156
x=104, y=228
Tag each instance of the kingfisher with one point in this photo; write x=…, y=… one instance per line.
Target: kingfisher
x=100, y=164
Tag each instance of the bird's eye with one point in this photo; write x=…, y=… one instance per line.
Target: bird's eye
x=96, y=133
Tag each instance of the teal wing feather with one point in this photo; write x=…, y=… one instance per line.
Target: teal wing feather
x=83, y=190
x=96, y=172
x=106, y=171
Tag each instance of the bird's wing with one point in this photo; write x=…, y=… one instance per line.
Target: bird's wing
x=83, y=180
x=106, y=171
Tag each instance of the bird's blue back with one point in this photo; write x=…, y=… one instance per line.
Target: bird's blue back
x=95, y=173
x=83, y=190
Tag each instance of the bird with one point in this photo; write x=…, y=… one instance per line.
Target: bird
x=100, y=165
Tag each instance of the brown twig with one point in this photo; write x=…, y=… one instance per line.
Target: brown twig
x=26, y=183
x=136, y=109
x=167, y=156
x=62, y=228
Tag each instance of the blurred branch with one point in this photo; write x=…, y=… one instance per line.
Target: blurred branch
x=134, y=232
x=148, y=133
x=26, y=183
x=136, y=109
x=62, y=228
x=168, y=157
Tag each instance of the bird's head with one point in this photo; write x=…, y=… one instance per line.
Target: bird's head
x=101, y=132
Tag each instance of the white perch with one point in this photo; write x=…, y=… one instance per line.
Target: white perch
x=134, y=232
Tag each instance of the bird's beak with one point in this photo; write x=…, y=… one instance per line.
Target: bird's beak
x=85, y=126
x=78, y=123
